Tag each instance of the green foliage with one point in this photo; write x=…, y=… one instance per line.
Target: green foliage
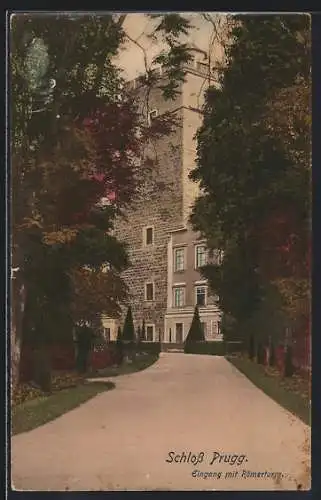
x=84, y=337
x=151, y=347
x=62, y=65
x=202, y=347
x=288, y=362
x=288, y=397
x=119, y=348
x=272, y=357
x=237, y=286
x=252, y=161
x=251, y=347
x=260, y=353
x=171, y=27
x=128, y=329
x=42, y=369
x=143, y=331
x=32, y=414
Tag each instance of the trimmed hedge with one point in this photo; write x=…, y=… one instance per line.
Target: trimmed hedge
x=232, y=347
x=150, y=347
x=214, y=348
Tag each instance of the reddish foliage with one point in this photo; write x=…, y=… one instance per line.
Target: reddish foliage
x=62, y=358
x=76, y=202
x=101, y=359
x=118, y=138
x=283, y=245
x=113, y=131
x=280, y=357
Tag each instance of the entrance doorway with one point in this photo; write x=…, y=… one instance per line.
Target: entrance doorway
x=179, y=333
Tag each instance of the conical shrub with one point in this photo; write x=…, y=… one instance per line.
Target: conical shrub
x=195, y=333
x=129, y=330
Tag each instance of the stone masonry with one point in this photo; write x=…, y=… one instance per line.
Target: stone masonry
x=165, y=208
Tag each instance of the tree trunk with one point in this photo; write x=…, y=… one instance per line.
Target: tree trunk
x=18, y=298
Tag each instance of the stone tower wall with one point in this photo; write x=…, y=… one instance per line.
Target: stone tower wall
x=167, y=205
x=162, y=209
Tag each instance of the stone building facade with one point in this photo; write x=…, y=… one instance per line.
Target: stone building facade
x=157, y=223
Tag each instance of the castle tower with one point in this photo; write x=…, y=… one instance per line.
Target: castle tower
x=163, y=279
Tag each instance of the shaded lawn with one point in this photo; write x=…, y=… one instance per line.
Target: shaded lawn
x=141, y=362
x=285, y=391
x=35, y=412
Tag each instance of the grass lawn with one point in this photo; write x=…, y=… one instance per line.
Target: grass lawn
x=140, y=363
x=35, y=412
x=292, y=393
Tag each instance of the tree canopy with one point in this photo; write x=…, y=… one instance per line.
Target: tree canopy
x=77, y=142
x=254, y=161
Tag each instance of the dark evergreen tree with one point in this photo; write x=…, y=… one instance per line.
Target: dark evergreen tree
x=288, y=362
x=129, y=330
x=272, y=359
x=251, y=347
x=251, y=146
x=85, y=337
x=195, y=334
x=260, y=353
x=119, y=350
x=68, y=124
x=143, y=331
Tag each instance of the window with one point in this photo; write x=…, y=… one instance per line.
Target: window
x=218, y=257
x=105, y=267
x=149, y=291
x=107, y=334
x=179, y=254
x=201, y=296
x=216, y=328
x=179, y=296
x=138, y=132
x=202, y=66
x=200, y=251
x=204, y=327
x=157, y=71
x=150, y=333
x=179, y=333
x=152, y=115
x=148, y=235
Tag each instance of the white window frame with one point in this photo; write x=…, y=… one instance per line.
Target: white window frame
x=105, y=267
x=145, y=228
x=202, y=66
x=215, y=330
x=206, y=294
x=184, y=259
x=183, y=330
x=218, y=256
x=182, y=287
x=145, y=293
x=148, y=325
x=107, y=328
x=153, y=113
x=206, y=257
x=138, y=132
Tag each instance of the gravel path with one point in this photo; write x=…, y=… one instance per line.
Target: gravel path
x=122, y=439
